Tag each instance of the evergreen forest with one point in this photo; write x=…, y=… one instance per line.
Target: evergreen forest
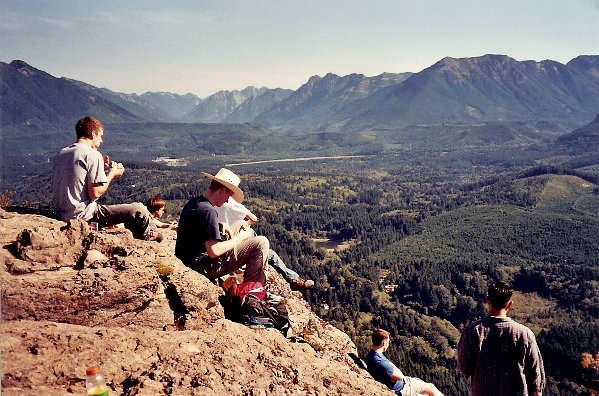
x=409, y=238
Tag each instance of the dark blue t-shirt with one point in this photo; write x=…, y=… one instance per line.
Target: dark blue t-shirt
x=198, y=223
x=381, y=369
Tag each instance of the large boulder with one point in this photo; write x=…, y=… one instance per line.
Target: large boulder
x=72, y=298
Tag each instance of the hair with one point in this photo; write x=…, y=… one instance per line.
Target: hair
x=155, y=203
x=215, y=186
x=87, y=126
x=499, y=294
x=378, y=336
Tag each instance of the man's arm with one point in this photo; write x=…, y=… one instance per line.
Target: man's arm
x=216, y=248
x=465, y=358
x=534, y=371
x=251, y=218
x=397, y=375
x=96, y=190
x=161, y=224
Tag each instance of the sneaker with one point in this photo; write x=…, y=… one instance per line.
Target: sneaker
x=301, y=284
x=153, y=236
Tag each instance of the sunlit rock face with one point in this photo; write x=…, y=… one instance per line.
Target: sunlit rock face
x=72, y=298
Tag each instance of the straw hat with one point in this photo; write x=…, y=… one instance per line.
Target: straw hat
x=229, y=180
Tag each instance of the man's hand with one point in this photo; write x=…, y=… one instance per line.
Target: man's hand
x=251, y=218
x=226, y=230
x=116, y=170
x=245, y=233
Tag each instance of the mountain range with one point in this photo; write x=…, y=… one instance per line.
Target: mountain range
x=485, y=88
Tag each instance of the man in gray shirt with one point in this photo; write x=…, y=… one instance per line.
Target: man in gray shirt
x=79, y=178
x=500, y=355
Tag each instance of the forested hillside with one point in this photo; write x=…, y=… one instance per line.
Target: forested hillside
x=410, y=243
x=401, y=228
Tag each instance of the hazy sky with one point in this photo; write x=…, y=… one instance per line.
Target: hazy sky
x=198, y=46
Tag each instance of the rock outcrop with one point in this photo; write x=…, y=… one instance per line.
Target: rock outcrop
x=72, y=298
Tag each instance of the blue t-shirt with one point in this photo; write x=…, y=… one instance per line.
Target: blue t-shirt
x=198, y=223
x=381, y=369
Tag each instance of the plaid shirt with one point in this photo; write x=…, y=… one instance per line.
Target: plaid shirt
x=501, y=357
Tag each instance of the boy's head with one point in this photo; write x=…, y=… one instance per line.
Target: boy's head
x=379, y=336
x=499, y=295
x=88, y=127
x=154, y=204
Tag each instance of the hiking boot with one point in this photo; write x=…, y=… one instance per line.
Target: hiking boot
x=153, y=236
x=301, y=284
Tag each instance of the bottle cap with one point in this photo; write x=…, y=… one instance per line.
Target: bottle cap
x=93, y=370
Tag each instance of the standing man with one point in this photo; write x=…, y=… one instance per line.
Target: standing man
x=204, y=248
x=387, y=373
x=79, y=178
x=500, y=355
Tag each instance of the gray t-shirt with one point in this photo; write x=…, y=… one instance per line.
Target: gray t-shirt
x=73, y=169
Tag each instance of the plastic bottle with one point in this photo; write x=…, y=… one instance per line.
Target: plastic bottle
x=95, y=384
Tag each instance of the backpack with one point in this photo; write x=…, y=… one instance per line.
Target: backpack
x=261, y=313
x=245, y=303
x=237, y=293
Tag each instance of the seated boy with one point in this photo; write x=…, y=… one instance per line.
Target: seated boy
x=157, y=206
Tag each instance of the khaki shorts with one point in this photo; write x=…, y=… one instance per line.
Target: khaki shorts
x=413, y=386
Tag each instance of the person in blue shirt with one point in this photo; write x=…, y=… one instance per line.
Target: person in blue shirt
x=387, y=373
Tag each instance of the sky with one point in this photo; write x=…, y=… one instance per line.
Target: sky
x=204, y=46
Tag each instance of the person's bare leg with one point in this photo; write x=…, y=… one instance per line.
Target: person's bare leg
x=419, y=387
x=432, y=390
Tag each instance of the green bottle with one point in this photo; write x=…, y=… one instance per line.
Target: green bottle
x=94, y=382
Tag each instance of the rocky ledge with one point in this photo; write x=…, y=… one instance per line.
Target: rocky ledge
x=72, y=298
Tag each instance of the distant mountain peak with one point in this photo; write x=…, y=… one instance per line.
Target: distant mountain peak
x=587, y=64
x=491, y=87
x=462, y=65
x=26, y=69
x=20, y=64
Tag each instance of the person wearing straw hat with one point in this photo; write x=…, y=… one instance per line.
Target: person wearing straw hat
x=211, y=248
